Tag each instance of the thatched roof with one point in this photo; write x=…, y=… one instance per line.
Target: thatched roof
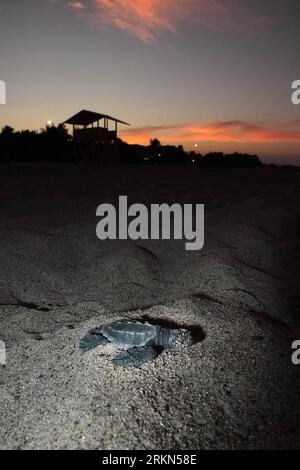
x=85, y=118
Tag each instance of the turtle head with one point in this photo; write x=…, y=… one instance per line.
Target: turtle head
x=179, y=338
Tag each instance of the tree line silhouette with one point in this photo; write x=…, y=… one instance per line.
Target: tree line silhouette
x=54, y=143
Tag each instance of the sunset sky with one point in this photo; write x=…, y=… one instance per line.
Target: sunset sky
x=216, y=73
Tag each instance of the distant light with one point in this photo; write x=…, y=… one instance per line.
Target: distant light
x=193, y=161
x=196, y=145
x=50, y=123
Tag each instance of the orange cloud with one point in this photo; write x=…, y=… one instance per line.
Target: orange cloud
x=242, y=132
x=148, y=19
x=76, y=5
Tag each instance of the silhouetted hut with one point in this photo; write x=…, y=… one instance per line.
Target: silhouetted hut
x=93, y=141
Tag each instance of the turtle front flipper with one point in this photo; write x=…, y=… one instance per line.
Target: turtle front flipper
x=136, y=356
x=93, y=339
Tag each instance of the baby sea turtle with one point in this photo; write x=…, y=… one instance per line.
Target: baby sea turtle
x=139, y=340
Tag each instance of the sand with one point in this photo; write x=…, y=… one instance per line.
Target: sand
x=235, y=388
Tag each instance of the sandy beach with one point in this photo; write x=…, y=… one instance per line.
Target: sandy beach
x=235, y=388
